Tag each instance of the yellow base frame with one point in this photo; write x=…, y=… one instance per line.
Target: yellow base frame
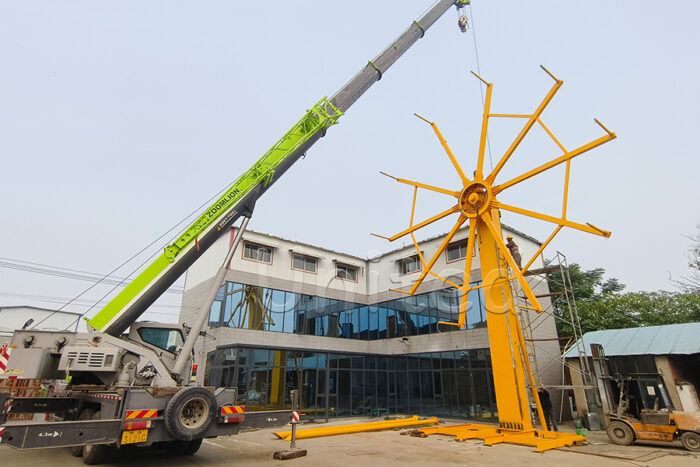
x=490, y=434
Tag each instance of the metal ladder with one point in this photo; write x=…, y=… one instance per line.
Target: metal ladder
x=525, y=326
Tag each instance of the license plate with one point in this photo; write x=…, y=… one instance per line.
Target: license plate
x=134, y=436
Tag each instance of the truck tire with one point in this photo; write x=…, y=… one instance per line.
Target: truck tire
x=94, y=454
x=185, y=448
x=691, y=441
x=85, y=414
x=189, y=413
x=620, y=433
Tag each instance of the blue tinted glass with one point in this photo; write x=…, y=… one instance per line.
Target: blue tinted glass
x=275, y=308
x=289, y=315
x=382, y=322
x=373, y=323
x=364, y=323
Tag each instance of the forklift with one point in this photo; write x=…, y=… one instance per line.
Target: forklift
x=629, y=422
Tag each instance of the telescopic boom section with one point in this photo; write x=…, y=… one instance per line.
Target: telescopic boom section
x=239, y=198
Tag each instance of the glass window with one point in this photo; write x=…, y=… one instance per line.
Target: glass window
x=215, y=310
x=457, y=250
x=166, y=339
x=304, y=263
x=348, y=273
x=409, y=265
x=255, y=252
x=373, y=323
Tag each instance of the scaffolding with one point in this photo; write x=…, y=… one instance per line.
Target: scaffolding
x=562, y=307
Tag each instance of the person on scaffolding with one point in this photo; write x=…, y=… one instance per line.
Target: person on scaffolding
x=546, y=404
x=514, y=250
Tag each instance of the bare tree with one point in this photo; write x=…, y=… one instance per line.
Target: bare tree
x=691, y=282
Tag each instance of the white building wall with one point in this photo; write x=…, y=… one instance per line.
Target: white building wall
x=376, y=276
x=14, y=317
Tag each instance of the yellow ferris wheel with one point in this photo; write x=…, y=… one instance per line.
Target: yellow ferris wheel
x=476, y=202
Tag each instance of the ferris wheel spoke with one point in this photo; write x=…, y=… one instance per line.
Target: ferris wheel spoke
x=437, y=254
x=541, y=248
x=450, y=154
x=436, y=189
x=420, y=225
x=511, y=262
x=526, y=129
x=555, y=162
x=484, y=128
x=554, y=220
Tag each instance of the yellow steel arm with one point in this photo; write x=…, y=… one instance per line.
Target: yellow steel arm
x=456, y=165
x=434, y=259
x=555, y=220
x=423, y=185
x=486, y=217
x=484, y=129
x=531, y=121
x=415, y=243
x=544, y=167
x=437, y=217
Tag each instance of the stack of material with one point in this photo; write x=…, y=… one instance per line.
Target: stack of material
x=21, y=388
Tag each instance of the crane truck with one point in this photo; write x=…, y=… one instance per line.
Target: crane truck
x=127, y=382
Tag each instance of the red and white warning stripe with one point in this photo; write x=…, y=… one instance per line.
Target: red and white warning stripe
x=2, y=430
x=4, y=357
x=233, y=413
x=141, y=414
x=295, y=416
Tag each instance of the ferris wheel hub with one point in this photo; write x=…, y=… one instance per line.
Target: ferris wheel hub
x=475, y=198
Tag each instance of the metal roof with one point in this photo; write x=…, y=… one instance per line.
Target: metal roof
x=669, y=339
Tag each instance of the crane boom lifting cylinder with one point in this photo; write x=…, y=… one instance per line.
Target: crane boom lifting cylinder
x=151, y=283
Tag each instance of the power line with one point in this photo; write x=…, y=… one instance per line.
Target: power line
x=48, y=270
x=78, y=303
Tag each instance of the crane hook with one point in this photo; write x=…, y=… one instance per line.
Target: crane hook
x=463, y=23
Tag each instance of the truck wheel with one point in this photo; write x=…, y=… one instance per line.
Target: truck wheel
x=189, y=413
x=185, y=448
x=620, y=433
x=193, y=447
x=85, y=414
x=691, y=441
x=94, y=454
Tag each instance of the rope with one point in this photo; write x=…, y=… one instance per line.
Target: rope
x=124, y=263
x=481, y=86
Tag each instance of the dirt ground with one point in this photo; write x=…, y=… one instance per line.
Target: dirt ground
x=374, y=449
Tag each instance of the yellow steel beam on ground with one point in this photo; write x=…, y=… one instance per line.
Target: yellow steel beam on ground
x=491, y=434
x=356, y=428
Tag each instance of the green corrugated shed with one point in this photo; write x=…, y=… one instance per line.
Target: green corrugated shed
x=670, y=339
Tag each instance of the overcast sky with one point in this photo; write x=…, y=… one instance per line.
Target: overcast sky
x=119, y=118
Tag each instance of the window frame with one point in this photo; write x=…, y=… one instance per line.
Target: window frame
x=305, y=256
x=464, y=241
x=244, y=257
x=402, y=261
x=347, y=266
x=176, y=331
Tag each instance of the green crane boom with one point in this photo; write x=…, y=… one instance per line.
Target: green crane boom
x=241, y=196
